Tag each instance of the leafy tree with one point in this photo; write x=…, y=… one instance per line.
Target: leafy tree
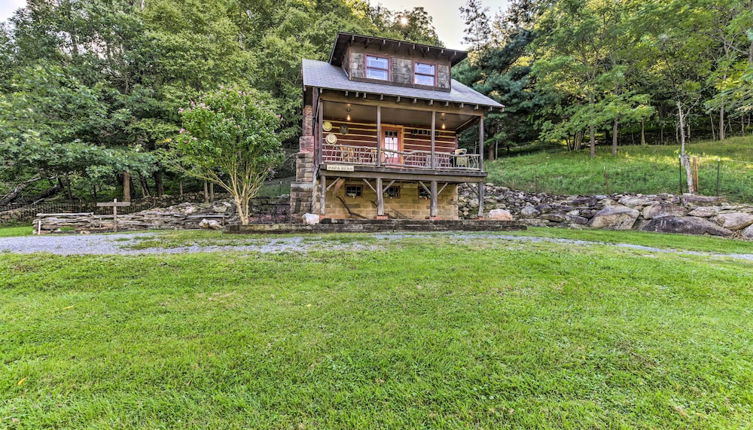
x=230, y=139
x=477, y=28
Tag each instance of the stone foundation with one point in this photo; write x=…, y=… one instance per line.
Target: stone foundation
x=408, y=205
x=302, y=191
x=376, y=226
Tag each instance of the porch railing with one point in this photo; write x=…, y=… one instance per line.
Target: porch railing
x=367, y=156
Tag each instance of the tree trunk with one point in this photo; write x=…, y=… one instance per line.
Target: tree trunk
x=684, y=159
x=643, y=132
x=615, y=124
x=578, y=140
x=242, y=208
x=661, y=133
x=16, y=191
x=180, y=188
x=159, y=184
x=721, y=123
x=206, y=192
x=49, y=192
x=211, y=191
x=592, y=142
x=144, y=186
x=713, y=130
x=126, y=187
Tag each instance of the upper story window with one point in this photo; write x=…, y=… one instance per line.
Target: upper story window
x=377, y=68
x=425, y=74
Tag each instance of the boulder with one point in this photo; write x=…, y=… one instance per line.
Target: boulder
x=747, y=233
x=686, y=225
x=705, y=211
x=310, y=219
x=615, y=218
x=500, y=215
x=210, y=224
x=663, y=209
x=576, y=219
x=554, y=217
x=637, y=200
x=529, y=212
x=734, y=220
x=701, y=200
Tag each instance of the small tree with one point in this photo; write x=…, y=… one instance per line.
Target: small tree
x=230, y=138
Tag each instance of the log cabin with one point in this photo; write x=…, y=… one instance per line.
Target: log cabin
x=380, y=130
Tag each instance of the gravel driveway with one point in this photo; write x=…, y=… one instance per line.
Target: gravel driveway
x=122, y=244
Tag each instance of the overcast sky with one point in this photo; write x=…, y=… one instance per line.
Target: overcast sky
x=447, y=19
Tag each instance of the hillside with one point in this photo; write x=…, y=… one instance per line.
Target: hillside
x=637, y=169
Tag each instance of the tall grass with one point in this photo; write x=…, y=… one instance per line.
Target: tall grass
x=726, y=168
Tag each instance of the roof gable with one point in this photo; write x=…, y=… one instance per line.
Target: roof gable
x=344, y=40
x=321, y=74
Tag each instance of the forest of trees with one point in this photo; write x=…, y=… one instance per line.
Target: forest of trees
x=90, y=91
x=614, y=72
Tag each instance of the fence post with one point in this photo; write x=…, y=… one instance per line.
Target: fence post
x=718, y=171
x=695, y=165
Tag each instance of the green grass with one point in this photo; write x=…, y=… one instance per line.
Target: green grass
x=654, y=240
x=16, y=231
x=636, y=169
x=424, y=332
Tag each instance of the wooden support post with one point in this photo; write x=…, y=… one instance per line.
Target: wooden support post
x=320, y=136
x=322, y=194
x=433, y=138
x=380, y=198
x=481, y=142
x=481, y=199
x=433, y=209
x=379, y=136
x=115, y=215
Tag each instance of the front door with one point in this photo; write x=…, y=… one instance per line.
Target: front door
x=391, y=145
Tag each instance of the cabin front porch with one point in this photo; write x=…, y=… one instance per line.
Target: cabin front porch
x=386, y=159
x=403, y=138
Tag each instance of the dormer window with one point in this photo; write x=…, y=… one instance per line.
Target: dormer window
x=425, y=74
x=377, y=68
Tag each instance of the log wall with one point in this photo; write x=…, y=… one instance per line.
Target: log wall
x=414, y=138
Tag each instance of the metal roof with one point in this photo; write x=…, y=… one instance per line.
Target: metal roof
x=321, y=74
x=344, y=39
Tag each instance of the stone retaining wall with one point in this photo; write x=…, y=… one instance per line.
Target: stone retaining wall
x=214, y=215
x=691, y=214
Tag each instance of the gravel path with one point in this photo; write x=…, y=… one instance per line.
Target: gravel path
x=120, y=244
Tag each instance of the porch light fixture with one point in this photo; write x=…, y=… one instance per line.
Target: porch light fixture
x=347, y=118
x=443, y=127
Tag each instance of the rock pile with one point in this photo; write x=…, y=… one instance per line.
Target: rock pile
x=691, y=214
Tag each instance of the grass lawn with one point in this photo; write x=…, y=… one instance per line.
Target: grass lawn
x=25, y=230
x=416, y=332
x=649, y=169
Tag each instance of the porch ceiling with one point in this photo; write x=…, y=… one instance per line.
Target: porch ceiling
x=406, y=117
